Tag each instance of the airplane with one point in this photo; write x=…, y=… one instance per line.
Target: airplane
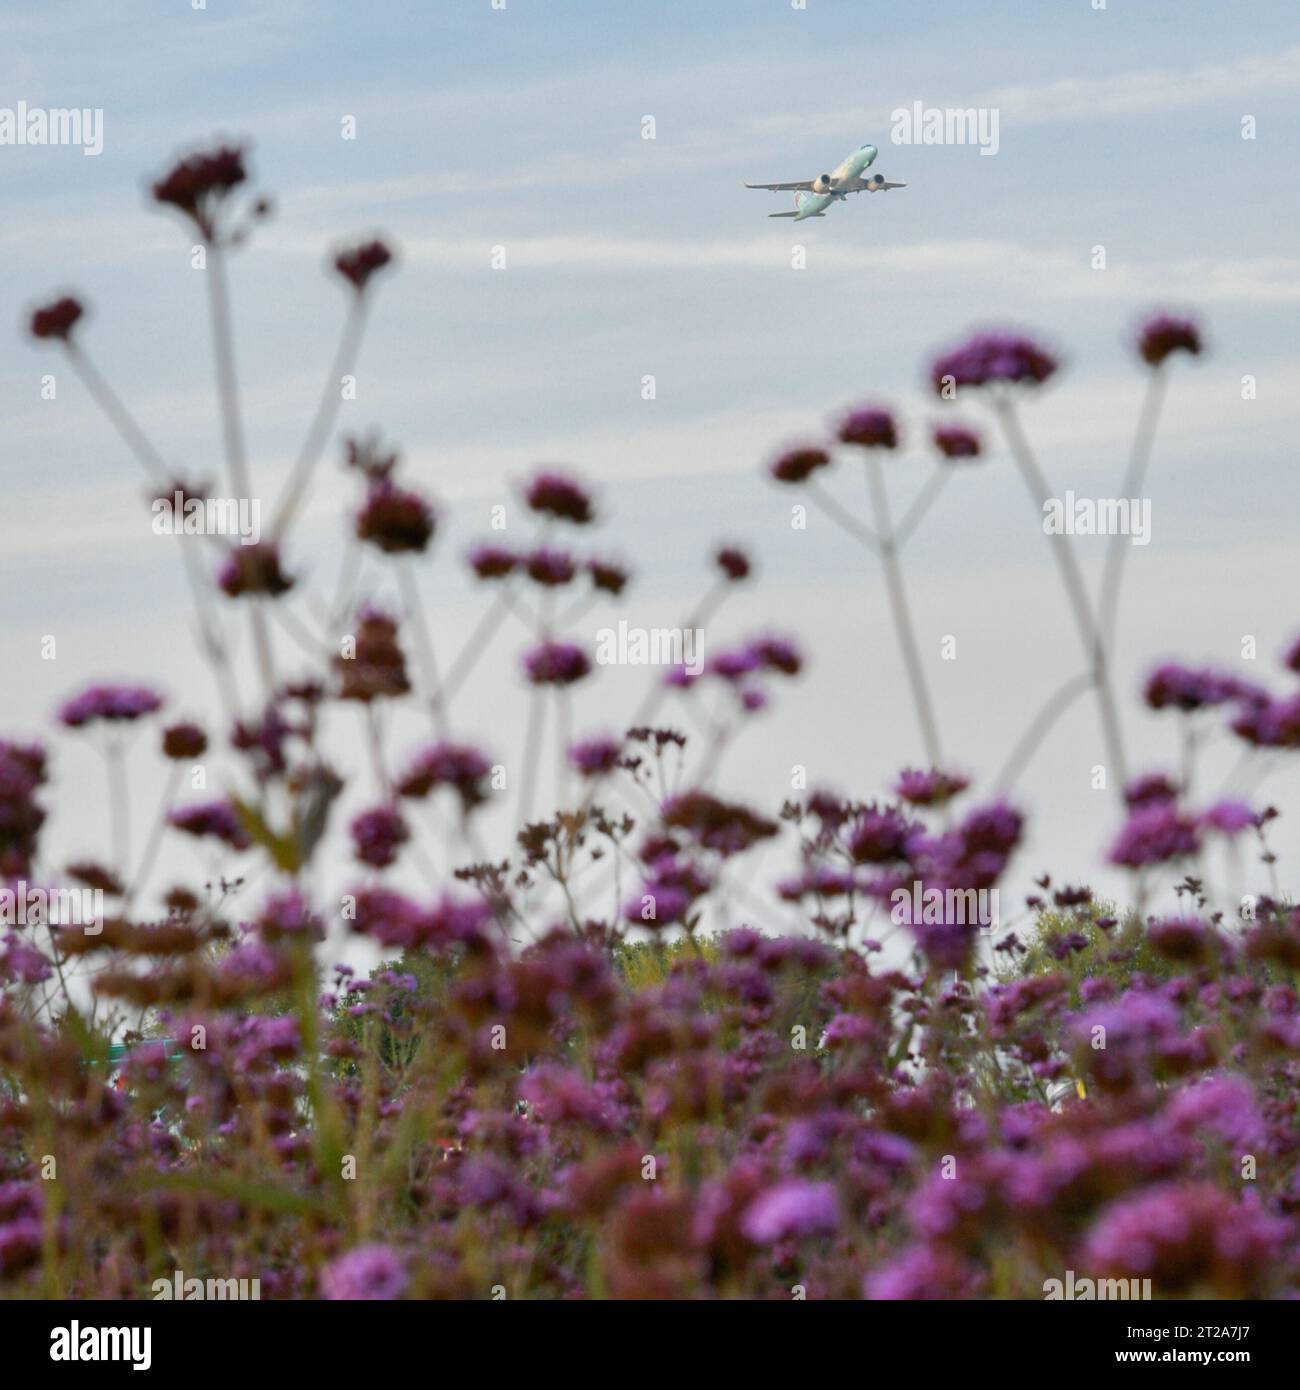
x=813, y=196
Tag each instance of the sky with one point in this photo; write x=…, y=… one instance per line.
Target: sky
x=518, y=129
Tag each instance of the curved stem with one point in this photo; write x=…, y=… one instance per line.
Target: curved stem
x=843, y=517
x=295, y=489
x=1093, y=651
x=903, y=627
x=1042, y=722
x=1117, y=547
x=914, y=515
x=475, y=644
x=415, y=606
x=118, y=415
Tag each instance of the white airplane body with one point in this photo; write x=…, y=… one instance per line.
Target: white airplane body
x=813, y=196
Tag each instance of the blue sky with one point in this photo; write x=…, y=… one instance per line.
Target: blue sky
x=521, y=128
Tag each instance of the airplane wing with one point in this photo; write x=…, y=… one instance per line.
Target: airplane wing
x=782, y=187
x=867, y=186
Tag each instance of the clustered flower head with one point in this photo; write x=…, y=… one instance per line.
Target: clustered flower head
x=798, y=465
x=990, y=359
x=1164, y=334
x=253, y=571
x=557, y=495
x=869, y=427
x=359, y=264
x=198, y=184
x=109, y=704
x=556, y=663
x=56, y=319
x=956, y=442
x=394, y=519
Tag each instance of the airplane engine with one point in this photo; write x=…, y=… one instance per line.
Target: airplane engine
x=875, y=183
x=822, y=183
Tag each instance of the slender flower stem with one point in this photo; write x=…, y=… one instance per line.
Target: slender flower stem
x=1075, y=591
x=118, y=415
x=155, y=835
x=415, y=606
x=475, y=644
x=118, y=801
x=232, y=430
x=1040, y=726
x=1117, y=546
x=295, y=490
x=924, y=500
x=903, y=627
x=532, y=755
x=842, y=517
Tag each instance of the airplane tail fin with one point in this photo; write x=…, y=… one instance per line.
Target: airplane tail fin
x=783, y=214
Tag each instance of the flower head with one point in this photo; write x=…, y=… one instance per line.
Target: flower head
x=110, y=704
x=1165, y=334
x=366, y=1272
x=357, y=264
x=253, y=569
x=198, y=184
x=556, y=663
x=56, y=319
x=394, y=519
x=992, y=359
x=555, y=494
x=870, y=428
x=798, y=465
x=956, y=442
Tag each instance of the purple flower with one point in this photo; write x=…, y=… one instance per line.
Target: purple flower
x=554, y=494
x=56, y=319
x=367, y=1272
x=929, y=788
x=870, y=428
x=492, y=561
x=1154, y=833
x=556, y=663
x=22, y=770
x=550, y=567
x=956, y=442
x=799, y=464
x=990, y=358
x=113, y=704
x=1229, y=817
x=1183, y=688
x=216, y=820
x=1151, y=787
x=594, y=756
x=447, y=764
x=378, y=835
x=1185, y=1236
x=359, y=263
x=1164, y=334
x=792, y=1209
x=397, y=521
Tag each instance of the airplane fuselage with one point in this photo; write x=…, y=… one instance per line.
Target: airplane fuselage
x=815, y=203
